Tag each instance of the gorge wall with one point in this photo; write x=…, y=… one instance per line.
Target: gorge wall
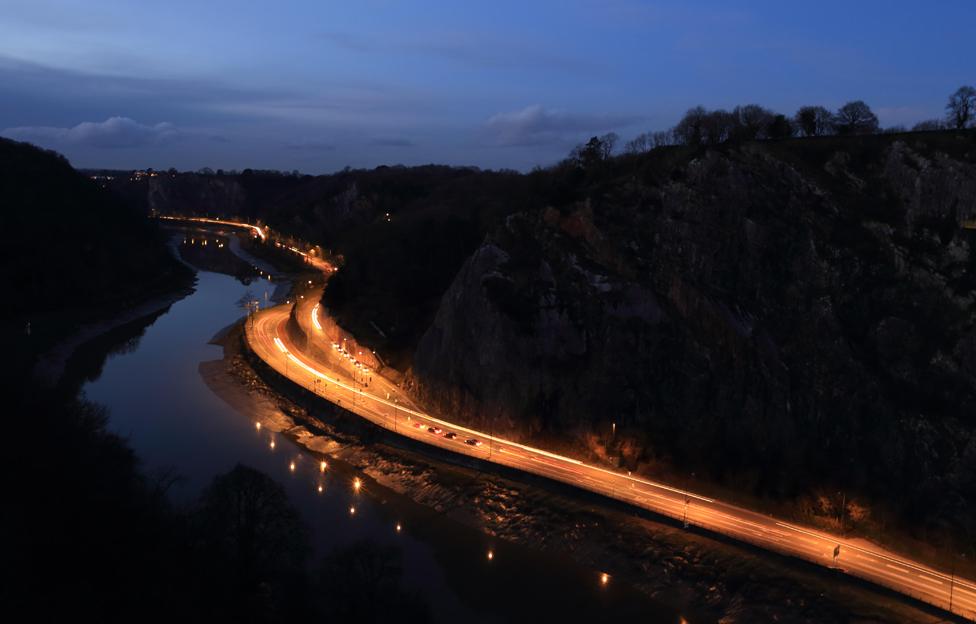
x=783, y=314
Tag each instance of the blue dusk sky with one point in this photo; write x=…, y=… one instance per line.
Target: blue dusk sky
x=316, y=85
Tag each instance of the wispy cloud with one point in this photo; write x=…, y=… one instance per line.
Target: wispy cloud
x=392, y=142
x=537, y=125
x=311, y=145
x=114, y=132
x=466, y=48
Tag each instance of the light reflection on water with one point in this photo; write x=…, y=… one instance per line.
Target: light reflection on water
x=158, y=400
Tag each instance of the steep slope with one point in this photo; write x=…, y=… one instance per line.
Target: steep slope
x=71, y=251
x=781, y=316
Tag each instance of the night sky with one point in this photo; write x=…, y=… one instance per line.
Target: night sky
x=316, y=85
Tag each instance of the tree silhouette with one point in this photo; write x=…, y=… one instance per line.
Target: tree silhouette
x=855, y=118
x=961, y=108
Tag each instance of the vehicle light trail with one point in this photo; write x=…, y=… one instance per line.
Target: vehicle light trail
x=270, y=343
x=254, y=228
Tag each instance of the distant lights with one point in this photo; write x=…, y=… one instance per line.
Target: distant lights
x=491, y=555
x=398, y=527
x=323, y=466
x=357, y=484
x=604, y=578
x=257, y=426
x=352, y=511
x=272, y=445
x=321, y=489
x=291, y=466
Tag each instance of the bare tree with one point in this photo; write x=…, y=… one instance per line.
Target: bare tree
x=855, y=118
x=639, y=144
x=813, y=120
x=961, y=108
x=752, y=122
x=596, y=150
x=662, y=138
x=607, y=142
x=690, y=130
x=719, y=126
x=928, y=125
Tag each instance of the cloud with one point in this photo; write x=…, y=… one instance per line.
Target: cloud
x=311, y=145
x=392, y=142
x=536, y=125
x=469, y=49
x=114, y=132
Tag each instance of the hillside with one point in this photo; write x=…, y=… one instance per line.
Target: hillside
x=763, y=314
x=72, y=251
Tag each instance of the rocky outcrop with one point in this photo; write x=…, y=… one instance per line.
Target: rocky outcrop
x=196, y=194
x=757, y=311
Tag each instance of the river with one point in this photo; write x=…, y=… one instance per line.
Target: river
x=159, y=402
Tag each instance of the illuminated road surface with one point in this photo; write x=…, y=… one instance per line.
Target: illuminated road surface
x=269, y=340
x=262, y=234
x=336, y=379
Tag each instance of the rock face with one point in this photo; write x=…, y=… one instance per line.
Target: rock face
x=196, y=194
x=761, y=311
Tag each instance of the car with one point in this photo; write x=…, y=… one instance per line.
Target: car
x=473, y=442
x=450, y=435
x=434, y=430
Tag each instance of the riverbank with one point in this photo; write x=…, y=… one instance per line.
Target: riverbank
x=702, y=576
x=51, y=365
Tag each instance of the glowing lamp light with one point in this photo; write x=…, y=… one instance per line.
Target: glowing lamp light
x=356, y=484
x=604, y=578
x=291, y=466
x=257, y=426
x=352, y=511
x=272, y=445
x=323, y=466
x=398, y=527
x=321, y=489
x=491, y=555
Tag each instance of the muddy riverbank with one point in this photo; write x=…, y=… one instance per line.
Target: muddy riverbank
x=703, y=577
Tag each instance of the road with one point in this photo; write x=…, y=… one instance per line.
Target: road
x=335, y=379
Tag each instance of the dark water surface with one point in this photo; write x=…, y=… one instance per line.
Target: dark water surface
x=172, y=420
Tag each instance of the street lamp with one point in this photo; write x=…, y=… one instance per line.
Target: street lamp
x=395, y=404
x=952, y=580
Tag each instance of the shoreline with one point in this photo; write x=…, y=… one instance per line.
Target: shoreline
x=52, y=365
x=688, y=571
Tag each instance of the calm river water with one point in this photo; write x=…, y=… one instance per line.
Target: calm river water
x=172, y=420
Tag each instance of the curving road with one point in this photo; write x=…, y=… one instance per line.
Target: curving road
x=338, y=380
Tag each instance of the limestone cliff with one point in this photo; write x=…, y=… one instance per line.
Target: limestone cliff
x=774, y=312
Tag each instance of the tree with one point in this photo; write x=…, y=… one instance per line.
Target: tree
x=780, y=128
x=596, y=150
x=690, y=130
x=855, y=118
x=814, y=120
x=928, y=125
x=607, y=142
x=961, y=108
x=752, y=122
x=662, y=138
x=718, y=127
x=246, y=520
x=638, y=145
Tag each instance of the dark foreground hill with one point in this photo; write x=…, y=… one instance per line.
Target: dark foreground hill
x=70, y=248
